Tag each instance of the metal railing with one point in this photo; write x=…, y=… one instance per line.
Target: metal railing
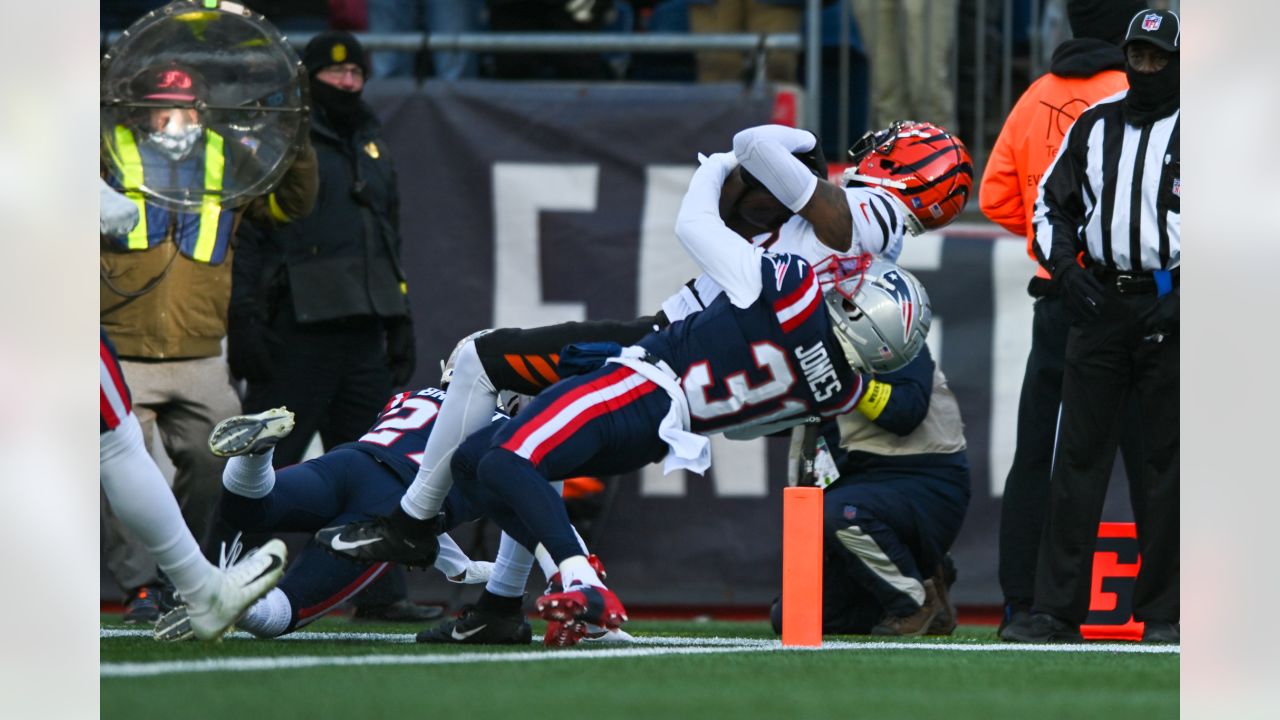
x=982, y=122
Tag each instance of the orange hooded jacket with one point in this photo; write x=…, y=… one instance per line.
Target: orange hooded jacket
x=1028, y=143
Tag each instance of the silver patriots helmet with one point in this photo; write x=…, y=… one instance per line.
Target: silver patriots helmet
x=880, y=312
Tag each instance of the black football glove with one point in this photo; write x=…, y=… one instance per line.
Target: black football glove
x=401, y=350
x=1081, y=291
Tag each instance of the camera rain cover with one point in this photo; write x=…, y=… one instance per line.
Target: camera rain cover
x=201, y=103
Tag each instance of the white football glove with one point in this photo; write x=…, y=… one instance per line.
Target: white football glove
x=117, y=213
x=477, y=573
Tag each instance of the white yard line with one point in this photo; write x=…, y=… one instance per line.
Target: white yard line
x=643, y=647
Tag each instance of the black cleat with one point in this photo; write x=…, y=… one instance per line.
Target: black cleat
x=480, y=627
x=396, y=538
x=1038, y=627
x=1162, y=633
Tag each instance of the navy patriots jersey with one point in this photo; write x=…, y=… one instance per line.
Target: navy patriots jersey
x=774, y=360
x=400, y=433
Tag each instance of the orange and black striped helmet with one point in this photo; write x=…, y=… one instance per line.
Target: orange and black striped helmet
x=921, y=164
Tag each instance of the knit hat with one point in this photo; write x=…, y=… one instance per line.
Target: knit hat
x=1101, y=19
x=334, y=47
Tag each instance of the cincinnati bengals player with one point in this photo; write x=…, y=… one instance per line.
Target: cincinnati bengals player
x=906, y=178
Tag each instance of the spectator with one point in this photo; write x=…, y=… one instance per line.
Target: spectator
x=557, y=16
x=757, y=16
x=1084, y=70
x=434, y=16
x=1112, y=198
x=164, y=290
x=319, y=319
x=909, y=45
x=895, y=509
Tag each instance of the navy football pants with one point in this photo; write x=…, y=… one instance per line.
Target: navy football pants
x=600, y=423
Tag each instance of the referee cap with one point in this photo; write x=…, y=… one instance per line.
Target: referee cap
x=1158, y=27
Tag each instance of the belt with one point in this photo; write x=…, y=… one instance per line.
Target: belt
x=1130, y=283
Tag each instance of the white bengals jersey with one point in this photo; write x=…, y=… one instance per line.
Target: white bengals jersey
x=879, y=224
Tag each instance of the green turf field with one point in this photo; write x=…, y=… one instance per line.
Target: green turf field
x=713, y=670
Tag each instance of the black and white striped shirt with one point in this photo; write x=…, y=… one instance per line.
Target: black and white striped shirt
x=1113, y=192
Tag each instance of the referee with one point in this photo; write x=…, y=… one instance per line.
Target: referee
x=1107, y=227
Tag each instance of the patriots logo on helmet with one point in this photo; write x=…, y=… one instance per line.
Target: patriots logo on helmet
x=901, y=291
x=1151, y=22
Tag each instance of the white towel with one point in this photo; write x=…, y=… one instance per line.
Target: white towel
x=688, y=451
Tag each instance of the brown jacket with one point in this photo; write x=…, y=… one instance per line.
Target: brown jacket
x=158, y=304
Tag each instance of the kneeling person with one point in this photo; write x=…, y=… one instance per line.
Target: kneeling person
x=892, y=515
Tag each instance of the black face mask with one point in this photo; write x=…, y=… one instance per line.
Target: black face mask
x=1152, y=95
x=341, y=108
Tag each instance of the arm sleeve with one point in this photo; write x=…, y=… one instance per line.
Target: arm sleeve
x=792, y=139
x=907, y=399
x=1000, y=195
x=720, y=252
x=786, y=178
x=1060, y=202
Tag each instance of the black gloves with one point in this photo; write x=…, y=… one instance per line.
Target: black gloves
x=401, y=355
x=1081, y=291
x=248, y=346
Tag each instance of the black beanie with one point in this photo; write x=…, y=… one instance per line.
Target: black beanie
x=1102, y=19
x=334, y=47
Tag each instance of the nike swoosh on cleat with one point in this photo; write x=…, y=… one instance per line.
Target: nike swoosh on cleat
x=340, y=544
x=464, y=635
x=275, y=563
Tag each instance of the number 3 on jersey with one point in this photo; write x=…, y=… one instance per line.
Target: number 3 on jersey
x=741, y=393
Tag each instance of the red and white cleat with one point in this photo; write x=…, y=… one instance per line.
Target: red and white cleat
x=592, y=604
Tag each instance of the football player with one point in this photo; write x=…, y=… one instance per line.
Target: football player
x=350, y=482
x=906, y=178
x=770, y=352
x=143, y=501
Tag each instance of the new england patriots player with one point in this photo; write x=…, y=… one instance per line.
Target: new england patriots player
x=906, y=178
x=351, y=482
x=142, y=500
x=767, y=354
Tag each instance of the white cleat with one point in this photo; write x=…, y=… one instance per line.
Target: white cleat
x=248, y=434
x=239, y=586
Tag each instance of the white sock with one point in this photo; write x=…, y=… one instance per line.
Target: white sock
x=577, y=570
x=142, y=500
x=250, y=476
x=545, y=562
x=269, y=617
x=451, y=561
x=468, y=406
x=510, y=568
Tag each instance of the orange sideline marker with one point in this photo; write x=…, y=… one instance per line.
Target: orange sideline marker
x=802, y=566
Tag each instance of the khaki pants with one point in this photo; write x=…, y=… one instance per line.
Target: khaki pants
x=909, y=44
x=724, y=16
x=183, y=399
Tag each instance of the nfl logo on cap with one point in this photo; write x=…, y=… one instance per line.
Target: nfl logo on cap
x=1151, y=22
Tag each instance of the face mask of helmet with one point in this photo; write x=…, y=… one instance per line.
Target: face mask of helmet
x=880, y=313
x=176, y=140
